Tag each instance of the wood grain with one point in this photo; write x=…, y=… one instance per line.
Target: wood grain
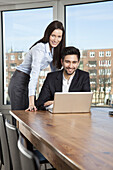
x=71, y=141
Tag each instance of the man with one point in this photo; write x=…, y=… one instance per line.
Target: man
x=69, y=79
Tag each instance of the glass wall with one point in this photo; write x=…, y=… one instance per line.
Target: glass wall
x=21, y=29
x=89, y=27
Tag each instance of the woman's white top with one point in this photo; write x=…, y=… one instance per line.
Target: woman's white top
x=37, y=59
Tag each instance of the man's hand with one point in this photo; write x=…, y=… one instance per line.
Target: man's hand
x=48, y=103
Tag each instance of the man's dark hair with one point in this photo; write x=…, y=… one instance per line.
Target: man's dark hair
x=69, y=51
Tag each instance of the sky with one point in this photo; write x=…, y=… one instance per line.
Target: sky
x=88, y=26
x=23, y=28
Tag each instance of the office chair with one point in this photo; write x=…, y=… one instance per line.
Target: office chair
x=1, y=156
x=28, y=160
x=4, y=144
x=13, y=135
x=43, y=160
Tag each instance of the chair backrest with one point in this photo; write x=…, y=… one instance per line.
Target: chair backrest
x=28, y=159
x=12, y=135
x=4, y=144
x=1, y=155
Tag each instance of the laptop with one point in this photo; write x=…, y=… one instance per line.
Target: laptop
x=72, y=102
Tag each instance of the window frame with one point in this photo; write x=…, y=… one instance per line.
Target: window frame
x=58, y=14
x=18, y=7
x=78, y=2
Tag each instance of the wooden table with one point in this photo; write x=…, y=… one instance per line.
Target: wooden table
x=70, y=141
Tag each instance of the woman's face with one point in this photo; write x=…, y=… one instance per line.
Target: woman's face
x=55, y=37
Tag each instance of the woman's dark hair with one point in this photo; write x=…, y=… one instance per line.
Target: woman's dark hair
x=70, y=51
x=57, y=50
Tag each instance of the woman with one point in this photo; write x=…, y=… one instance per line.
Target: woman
x=44, y=52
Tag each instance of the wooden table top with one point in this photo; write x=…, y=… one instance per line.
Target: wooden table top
x=83, y=141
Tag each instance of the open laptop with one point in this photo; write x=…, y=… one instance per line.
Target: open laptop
x=72, y=102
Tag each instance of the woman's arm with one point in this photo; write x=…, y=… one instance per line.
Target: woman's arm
x=32, y=106
x=37, y=54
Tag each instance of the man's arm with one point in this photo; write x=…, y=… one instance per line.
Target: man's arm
x=45, y=95
x=86, y=83
x=48, y=103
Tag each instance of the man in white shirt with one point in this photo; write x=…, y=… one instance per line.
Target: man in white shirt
x=69, y=79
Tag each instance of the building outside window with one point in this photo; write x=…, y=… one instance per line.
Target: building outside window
x=89, y=27
x=86, y=29
x=21, y=29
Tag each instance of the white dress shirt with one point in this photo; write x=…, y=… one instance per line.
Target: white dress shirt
x=66, y=83
x=37, y=59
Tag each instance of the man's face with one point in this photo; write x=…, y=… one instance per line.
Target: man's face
x=70, y=64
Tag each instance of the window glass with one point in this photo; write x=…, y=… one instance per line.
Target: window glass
x=89, y=27
x=21, y=29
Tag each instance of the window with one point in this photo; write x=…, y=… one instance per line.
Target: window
x=92, y=63
x=89, y=27
x=102, y=63
x=105, y=72
x=12, y=57
x=108, y=53
x=108, y=81
x=109, y=62
x=92, y=54
x=101, y=54
x=93, y=72
x=13, y=65
x=21, y=29
x=20, y=56
x=93, y=81
x=81, y=65
x=105, y=63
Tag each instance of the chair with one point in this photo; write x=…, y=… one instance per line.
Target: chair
x=12, y=135
x=28, y=160
x=1, y=156
x=41, y=158
x=4, y=144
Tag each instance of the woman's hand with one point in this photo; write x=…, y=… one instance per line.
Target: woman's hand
x=31, y=108
x=48, y=103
